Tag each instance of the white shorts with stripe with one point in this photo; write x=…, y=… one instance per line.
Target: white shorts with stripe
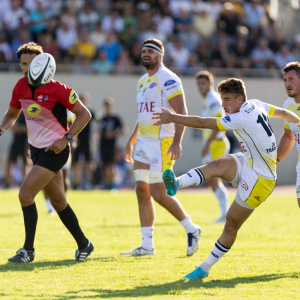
x=252, y=189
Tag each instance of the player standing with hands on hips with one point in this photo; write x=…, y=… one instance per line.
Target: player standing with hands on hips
x=45, y=110
x=157, y=148
x=253, y=171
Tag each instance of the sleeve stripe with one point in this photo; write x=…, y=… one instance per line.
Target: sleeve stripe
x=220, y=125
x=217, y=115
x=286, y=126
x=272, y=111
x=175, y=94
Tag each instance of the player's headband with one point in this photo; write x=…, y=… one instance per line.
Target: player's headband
x=153, y=47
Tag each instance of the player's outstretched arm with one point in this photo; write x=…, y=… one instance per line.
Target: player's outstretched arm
x=9, y=119
x=166, y=117
x=286, y=115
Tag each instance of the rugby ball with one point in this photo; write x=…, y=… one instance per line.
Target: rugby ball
x=41, y=69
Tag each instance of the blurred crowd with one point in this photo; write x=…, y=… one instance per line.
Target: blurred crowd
x=106, y=35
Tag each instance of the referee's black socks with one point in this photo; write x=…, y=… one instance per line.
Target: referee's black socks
x=70, y=220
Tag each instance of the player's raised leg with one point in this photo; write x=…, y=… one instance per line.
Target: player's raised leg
x=56, y=192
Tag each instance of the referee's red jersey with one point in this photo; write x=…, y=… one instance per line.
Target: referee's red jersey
x=45, y=110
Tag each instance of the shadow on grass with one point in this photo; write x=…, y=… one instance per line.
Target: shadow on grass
x=172, y=288
x=34, y=266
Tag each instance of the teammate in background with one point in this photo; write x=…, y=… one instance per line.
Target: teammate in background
x=291, y=79
x=253, y=171
x=82, y=154
x=66, y=168
x=110, y=127
x=18, y=148
x=157, y=148
x=216, y=143
x=45, y=111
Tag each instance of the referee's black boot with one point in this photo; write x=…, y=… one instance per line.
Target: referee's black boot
x=82, y=254
x=23, y=256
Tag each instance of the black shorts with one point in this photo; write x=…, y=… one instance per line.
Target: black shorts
x=82, y=152
x=16, y=150
x=49, y=160
x=107, y=156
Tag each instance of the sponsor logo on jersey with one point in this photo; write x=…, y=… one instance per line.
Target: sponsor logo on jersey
x=169, y=82
x=212, y=105
x=226, y=119
x=250, y=109
x=244, y=185
x=298, y=108
x=73, y=97
x=40, y=98
x=34, y=110
x=273, y=148
x=144, y=90
x=154, y=160
x=171, y=87
x=152, y=85
x=141, y=153
x=257, y=198
x=140, y=86
x=298, y=189
x=46, y=98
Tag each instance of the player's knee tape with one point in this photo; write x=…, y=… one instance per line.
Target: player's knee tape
x=141, y=175
x=155, y=177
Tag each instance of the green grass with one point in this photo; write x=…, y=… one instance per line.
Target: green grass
x=264, y=263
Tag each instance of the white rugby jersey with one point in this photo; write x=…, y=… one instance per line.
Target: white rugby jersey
x=154, y=92
x=212, y=107
x=291, y=105
x=251, y=127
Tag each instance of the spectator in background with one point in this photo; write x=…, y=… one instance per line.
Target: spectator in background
x=66, y=38
x=5, y=7
x=296, y=48
x=97, y=36
x=18, y=148
x=197, y=6
x=82, y=154
x=50, y=46
x=189, y=37
x=153, y=33
x=135, y=53
x=177, y=6
x=39, y=19
x=88, y=18
x=179, y=54
x=229, y=20
x=5, y=49
x=262, y=55
x=101, y=64
x=14, y=18
x=123, y=64
x=255, y=14
x=129, y=19
x=56, y=8
x=110, y=128
x=23, y=37
x=112, y=47
x=184, y=18
x=165, y=24
x=113, y=22
x=284, y=56
x=128, y=37
x=215, y=8
x=69, y=17
x=204, y=24
x=83, y=48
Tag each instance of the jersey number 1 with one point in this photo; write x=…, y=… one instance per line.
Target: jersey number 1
x=265, y=124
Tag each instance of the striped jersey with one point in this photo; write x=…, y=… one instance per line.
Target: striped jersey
x=252, y=128
x=291, y=105
x=212, y=107
x=154, y=92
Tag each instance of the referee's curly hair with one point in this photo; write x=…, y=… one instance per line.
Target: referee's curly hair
x=233, y=86
x=29, y=48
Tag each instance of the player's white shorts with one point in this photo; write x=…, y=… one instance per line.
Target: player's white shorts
x=217, y=148
x=252, y=188
x=154, y=153
x=298, y=179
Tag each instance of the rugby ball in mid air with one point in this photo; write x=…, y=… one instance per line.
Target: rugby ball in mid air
x=42, y=69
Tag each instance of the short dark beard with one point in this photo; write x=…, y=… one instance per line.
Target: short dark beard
x=150, y=65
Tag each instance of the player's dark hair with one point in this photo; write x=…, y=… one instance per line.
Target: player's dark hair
x=155, y=42
x=206, y=75
x=292, y=66
x=29, y=48
x=233, y=86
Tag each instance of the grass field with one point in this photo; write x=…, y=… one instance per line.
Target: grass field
x=264, y=263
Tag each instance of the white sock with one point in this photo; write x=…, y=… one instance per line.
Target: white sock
x=188, y=225
x=147, y=237
x=48, y=204
x=216, y=254
x=222, y=195
x=192, y=177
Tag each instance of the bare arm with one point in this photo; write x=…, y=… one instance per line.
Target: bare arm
x=286, y=144
x=129, y=145
x=82, y=118
x=285, y=114
x=166, y=117
x=9, y=119
x=179, y=106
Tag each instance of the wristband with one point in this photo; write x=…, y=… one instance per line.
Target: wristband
x=277, y=160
